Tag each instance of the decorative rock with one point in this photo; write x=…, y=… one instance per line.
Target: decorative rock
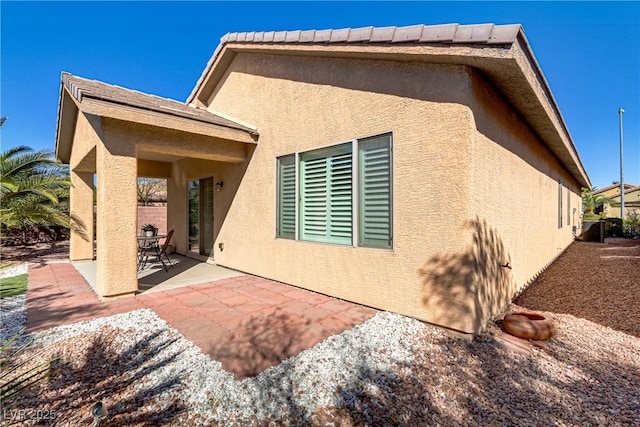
x=389, y=370
x=529, y=326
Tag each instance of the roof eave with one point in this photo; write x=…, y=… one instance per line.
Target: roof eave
x=65, y=125
x=579, y=171
x=228, y=49
x=126, y=113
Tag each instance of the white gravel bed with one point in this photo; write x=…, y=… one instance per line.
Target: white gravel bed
x=12, y=309
x=391, y=370
x=13, y=317
x=14, y=270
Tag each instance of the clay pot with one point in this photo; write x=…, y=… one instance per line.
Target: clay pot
x=529, y=326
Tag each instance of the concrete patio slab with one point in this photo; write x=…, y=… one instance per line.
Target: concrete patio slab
x=245, y=322
x=153, y=277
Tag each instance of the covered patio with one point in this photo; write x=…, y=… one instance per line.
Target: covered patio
x=246, y=323
x=111, y=136
x=185, y=271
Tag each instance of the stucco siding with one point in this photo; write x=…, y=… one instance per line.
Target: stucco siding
x=189, y=169
x=515, y=202
x=116, y=212
x=302, y=103
x=85, y=139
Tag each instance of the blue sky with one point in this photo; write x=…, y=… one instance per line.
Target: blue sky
x=588, y=51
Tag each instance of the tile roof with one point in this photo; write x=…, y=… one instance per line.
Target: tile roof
x=501, y=52
x=447, y=33
x=627, y=186
x=483, y=34
x=81, y=88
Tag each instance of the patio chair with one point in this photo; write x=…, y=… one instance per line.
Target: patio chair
x=144, y=249
x=163, y=252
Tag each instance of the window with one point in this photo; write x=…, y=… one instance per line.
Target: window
x=326, y=195
x=560, y=205
x=568, y=206
x=201, y=216
x=286, y=197
x=374, y=177
x=342, y=194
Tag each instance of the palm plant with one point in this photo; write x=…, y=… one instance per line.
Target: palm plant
x=590, y=201
x=20, y=369
x=34, y=189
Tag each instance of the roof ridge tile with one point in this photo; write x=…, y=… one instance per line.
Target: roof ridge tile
x=410, y=33
x=382, y=34
x=340, y=36
x=361, y=34
x=322, y=36
x=268, y=36
x=440, y=33
x=307, y=36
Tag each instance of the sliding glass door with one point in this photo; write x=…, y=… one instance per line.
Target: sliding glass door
x=201, y=216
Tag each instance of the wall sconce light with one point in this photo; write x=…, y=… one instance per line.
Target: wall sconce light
x=219, y=185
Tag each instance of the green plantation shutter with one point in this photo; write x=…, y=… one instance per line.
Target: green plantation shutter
x=287, y=197
x=326, y=194
x=374, y=176
x=559, y=205
x=313, y=198
x=568, y=206
x=340, y=198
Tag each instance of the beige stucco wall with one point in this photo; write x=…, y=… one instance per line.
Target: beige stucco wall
x=514, y=203
x=83, y=165
x=188, y=169
x=85, y=139
x=116, y=213
x=346, y=99
x=457, y=194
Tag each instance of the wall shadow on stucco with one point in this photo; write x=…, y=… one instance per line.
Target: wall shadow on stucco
x=232, y=178
x=464, y=290
x=79, y=227
x=494, y=116
x=229, y=174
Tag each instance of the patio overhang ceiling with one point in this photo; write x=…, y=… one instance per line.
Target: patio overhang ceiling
x=163, y=129
x=499, y=52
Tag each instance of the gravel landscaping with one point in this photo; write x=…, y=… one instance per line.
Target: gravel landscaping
x=391, y=370
x=592, y=281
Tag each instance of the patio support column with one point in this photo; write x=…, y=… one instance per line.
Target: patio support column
x=81, y=208
x=117, y=212
x=177, y=207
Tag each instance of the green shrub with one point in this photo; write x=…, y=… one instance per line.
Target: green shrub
x=613, y=227
x=631, y=225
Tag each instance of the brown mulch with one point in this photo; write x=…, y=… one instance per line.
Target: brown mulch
x=594, y=281
x=36, y=253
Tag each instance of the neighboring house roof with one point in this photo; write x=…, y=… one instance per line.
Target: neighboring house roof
x=615, y=186
x=632, y=189
x=81, y=89
x=628, y=191
x=500, y=52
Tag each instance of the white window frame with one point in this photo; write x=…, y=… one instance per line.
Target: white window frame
x=355, y=186
x=560, y=205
